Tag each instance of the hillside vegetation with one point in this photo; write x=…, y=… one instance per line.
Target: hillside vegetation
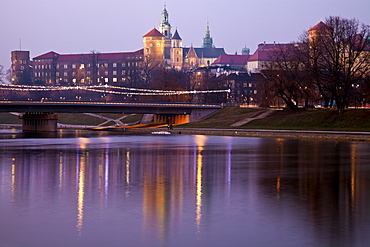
x=318, y=119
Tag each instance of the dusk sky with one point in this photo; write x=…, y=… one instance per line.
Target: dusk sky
x=80, y=26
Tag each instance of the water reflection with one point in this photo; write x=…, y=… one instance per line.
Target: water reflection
x=183, y=191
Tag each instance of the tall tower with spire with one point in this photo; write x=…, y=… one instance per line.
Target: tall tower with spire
x=176, y=54
x=207, y=40
x=165, y=27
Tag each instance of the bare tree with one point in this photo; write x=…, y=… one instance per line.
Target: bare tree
x=286, y=75
x=340, y=59
x=4, y=74
x=147, y=70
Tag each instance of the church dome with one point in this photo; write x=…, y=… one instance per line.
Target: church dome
x=246, y=51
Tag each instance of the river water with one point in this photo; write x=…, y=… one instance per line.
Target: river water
x=81, y=188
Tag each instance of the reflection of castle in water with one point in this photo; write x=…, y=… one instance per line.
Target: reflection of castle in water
x=168, y=182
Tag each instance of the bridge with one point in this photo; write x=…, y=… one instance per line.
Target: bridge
x=41, y=116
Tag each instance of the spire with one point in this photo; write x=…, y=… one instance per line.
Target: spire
x=207, y=40
x=176, y=35
x=164, y=26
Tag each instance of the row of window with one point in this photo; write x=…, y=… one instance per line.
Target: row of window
x=106, y=80
x=88, y=65
x=88, y=73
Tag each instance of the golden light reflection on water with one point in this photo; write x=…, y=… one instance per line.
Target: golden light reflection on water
x=80, y=195
x=128, y=167
x=200, y=142
x=13, y=187
x=82, y=142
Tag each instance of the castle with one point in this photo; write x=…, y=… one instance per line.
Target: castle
x=121, y=68
x=160, y=44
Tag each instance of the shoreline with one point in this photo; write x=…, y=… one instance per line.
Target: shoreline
x=286, y=134
x=263, y=133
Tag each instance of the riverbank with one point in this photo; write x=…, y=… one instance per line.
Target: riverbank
x=286, y=134
x=322, y=124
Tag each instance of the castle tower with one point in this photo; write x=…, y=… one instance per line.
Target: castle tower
x=21, y=71
x=164, y=27
x=192, y=58
x=207, y=40
x=318, y=36
x=319, y=31
x=176, y=51
x=154, y=46
x=246, y=51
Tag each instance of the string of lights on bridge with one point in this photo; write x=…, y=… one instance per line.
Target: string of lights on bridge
x=107, y=89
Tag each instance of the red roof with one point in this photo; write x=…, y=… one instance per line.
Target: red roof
x=263, y=52
x=153, y=33
x=232, y=59
x=48, y=55
x=88, y=56
x=320, y=26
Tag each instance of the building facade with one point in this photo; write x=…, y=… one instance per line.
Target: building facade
x=87, y=69
x=21, y=67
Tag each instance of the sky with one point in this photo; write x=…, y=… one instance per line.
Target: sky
x=80, y=26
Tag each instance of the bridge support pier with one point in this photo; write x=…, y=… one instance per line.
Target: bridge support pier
x=39, y=122
x=171, y=119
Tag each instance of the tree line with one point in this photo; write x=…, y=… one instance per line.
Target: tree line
x=329, y=66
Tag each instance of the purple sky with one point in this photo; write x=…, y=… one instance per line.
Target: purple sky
x=79, y=26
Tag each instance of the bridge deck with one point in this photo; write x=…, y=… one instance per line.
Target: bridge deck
x=101, y=107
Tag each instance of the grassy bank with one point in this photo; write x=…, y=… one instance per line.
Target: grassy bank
x=76, y=119
x=318, y=119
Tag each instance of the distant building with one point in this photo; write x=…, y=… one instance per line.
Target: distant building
x=87, y=69
x=234, y=62
x=257, y=61
x=21, y=67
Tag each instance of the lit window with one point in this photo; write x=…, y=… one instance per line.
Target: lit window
x=106, y=80
x=65, y=73
x=105, y=72
x=114, y=65
x=66, y=66
x=106, y=65
x=73, y=66
x=114, y=79
x=114, y=72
